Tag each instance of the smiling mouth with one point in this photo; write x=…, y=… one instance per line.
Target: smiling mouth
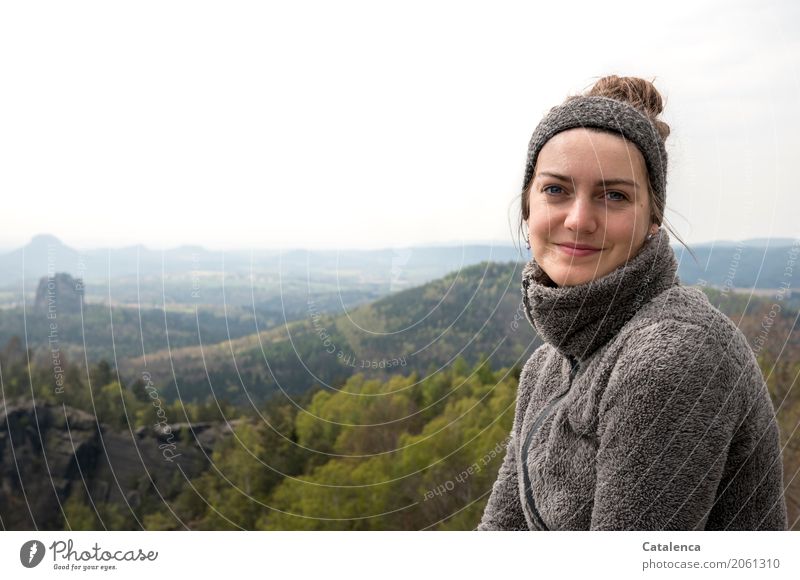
x=579, y=250
x=578, y=246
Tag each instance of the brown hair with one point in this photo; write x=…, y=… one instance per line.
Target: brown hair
x=641, y=94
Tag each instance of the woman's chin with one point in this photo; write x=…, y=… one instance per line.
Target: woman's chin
x=572, y=276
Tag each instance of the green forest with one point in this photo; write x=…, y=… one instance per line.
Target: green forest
x=393, y=454
x=424, y=454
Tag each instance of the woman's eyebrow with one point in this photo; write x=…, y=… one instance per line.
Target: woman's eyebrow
x=614, y=181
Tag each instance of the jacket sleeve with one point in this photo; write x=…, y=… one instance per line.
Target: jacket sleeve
x=665, y=424
x=504, y=508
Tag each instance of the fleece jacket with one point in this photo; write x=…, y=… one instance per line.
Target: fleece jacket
x=644, y=409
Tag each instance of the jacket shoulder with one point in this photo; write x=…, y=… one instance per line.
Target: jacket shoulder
x=690, y=309
x=682, y=320
x=682, y=304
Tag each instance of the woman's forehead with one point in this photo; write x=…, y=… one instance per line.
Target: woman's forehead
x=580, y=153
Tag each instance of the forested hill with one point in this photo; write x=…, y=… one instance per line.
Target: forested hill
x=469, y=313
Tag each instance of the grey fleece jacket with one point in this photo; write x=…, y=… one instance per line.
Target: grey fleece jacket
x=644, y=409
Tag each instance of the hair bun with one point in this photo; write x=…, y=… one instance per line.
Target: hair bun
x=639, y=93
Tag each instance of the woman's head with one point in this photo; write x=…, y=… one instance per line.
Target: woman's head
x=596, y=177
x=589, y=190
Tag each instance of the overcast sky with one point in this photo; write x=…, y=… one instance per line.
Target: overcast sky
x=369, y=124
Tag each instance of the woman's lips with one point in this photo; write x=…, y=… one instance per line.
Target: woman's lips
x=576, y=252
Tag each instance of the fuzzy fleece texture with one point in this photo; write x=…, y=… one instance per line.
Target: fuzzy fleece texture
x=644, y=409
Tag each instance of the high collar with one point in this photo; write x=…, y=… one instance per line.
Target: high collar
x=577, y=320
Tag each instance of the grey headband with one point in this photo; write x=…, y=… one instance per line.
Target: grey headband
x=609, y=114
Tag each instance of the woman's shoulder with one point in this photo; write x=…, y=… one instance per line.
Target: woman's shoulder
x=683, y=315
x=680, y=340
x=684, y=306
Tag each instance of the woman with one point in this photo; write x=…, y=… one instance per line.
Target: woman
x=645, y=408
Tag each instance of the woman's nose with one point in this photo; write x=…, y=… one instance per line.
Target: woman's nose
x=581, y=215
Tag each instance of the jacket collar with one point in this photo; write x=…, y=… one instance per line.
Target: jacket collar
x=577, y=320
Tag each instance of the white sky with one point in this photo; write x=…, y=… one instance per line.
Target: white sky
x=360, y=125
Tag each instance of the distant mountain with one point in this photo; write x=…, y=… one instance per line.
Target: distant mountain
x=372, y=272
x=384, y=271
x=740, y=266
x=751, y=243
x=44, y=254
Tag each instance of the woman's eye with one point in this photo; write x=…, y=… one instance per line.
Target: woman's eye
x=546, y=188
x=619, y=196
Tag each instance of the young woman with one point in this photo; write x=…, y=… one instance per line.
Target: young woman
x=645, y=408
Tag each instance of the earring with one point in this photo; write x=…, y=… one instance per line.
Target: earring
x=527, y=243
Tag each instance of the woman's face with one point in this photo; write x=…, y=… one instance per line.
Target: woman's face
x=590, y=191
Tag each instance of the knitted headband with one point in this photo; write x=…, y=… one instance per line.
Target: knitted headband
x=609, y=114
